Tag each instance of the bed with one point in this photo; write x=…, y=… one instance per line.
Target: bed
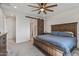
x=58, y=45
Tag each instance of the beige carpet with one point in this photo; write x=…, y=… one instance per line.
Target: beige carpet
x=22, y=49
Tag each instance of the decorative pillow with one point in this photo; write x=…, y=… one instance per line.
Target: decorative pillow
x=55, y=33
x=64, y=34
x=70, y=33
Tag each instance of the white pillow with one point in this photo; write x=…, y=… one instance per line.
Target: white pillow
x=70, y=33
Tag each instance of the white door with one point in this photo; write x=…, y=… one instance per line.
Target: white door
x=11, y=27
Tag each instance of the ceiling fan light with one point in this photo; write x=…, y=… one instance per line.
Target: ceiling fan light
x=42, y=9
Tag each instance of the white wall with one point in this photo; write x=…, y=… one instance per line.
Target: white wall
x=1, y=21
x=22, y=25
x=65, y=17
x=1, y=24
x=22, y=28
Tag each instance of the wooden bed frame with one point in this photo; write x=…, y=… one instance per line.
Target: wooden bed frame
x=49, y=49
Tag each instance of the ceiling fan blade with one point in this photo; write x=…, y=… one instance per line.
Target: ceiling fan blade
x=39, y=12
x=45, y=12
x=45, y=4
x=51, y=6
x=36, y=10
x=33, y=6
x=39, y=4
x=49, y=10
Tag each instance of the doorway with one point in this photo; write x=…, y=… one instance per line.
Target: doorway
x=33, y=29
x=11, y=28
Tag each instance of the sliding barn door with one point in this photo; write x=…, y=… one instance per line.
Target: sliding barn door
x=40, y=26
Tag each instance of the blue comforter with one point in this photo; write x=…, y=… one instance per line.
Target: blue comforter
x=67, y=43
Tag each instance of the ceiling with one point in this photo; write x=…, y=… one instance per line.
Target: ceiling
x=23, y=8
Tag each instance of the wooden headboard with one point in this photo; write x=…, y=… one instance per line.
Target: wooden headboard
x=71, y=27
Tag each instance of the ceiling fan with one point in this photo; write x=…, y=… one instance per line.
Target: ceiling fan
x=43, y=7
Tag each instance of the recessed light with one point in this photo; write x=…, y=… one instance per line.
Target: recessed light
x=15, y=7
